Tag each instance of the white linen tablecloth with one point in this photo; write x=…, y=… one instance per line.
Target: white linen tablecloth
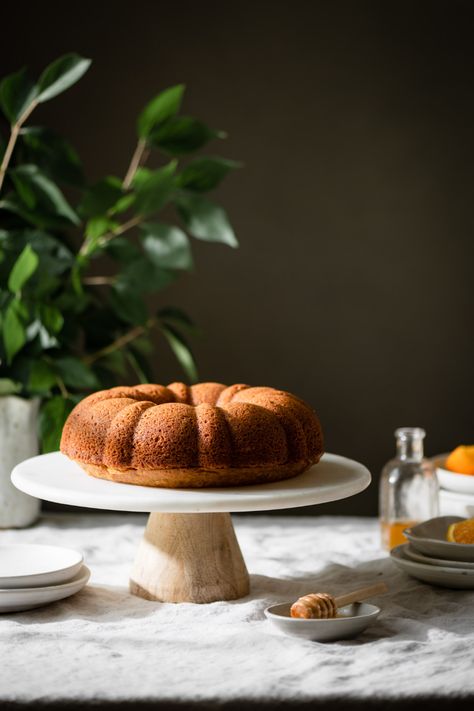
x=106, y=645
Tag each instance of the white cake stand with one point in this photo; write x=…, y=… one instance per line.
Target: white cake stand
x=189, y=552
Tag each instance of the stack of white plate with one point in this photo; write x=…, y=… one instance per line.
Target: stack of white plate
x=456, y=494
x=34, y=575
x=430, y=557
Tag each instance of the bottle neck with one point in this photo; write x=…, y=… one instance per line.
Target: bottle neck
x=410, y=444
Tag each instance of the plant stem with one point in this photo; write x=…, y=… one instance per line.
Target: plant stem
x=14, y=132
x=133, y=222
x=140, y=154
x=98, y=280
x=119, y=342
x=134, y=163
x=62, y=387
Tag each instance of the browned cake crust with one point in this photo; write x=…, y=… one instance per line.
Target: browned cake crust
x=193, y=436
x=193, y=478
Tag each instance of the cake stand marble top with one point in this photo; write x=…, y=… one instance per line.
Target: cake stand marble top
x=56, y=478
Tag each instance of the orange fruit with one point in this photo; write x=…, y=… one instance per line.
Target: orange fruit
x=461, y=532
x=461, y=460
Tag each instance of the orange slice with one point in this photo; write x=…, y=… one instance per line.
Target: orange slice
x=461, y=532
x=461, y=460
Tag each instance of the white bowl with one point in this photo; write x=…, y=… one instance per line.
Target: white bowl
x=458, y=578
x=353, y=620
x=429, y=538
x=453, y=481
x=18, y=599
x=31, y=565
x=453, y=503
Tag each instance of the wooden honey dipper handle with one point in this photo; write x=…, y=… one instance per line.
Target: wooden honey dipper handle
x=324, y=605
x=360, y=594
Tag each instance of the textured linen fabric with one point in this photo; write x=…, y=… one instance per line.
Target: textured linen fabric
x=103, y=644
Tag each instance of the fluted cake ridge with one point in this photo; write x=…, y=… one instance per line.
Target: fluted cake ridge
x=207, y=434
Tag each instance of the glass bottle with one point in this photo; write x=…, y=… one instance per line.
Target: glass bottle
x=408, y=488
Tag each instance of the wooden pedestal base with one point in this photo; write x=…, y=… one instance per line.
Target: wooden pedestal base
x=189, y=558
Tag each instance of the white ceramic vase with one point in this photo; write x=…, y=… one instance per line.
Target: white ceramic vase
x=18, y=441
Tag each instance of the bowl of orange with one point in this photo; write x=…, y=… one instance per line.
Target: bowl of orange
x=446, y=537
x=455, y=470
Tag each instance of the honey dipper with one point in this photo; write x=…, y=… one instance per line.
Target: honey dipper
x=323, y=605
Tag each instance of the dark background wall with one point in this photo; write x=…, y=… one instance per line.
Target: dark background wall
x=353, y=283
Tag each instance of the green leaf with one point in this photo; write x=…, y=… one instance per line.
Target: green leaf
x=143, y=275
x=30, y=181
x=42, y=377
x=17, y=91
x=60, y=75
x=53, y=155
x=141, y=176
x=166, y=104
x=154, y=189
x=47, y=341
x=142, y=345
x=51, y=318
x=25, y=191
x=14, y=336
x=205, y=220
x=24, y=267
x=142, y=361
x=182, y=352
x=75, y=373
x=98, y=226
x=37, y=217
x=9, y=387
x=172, y=316
x=121, y=249
x=182, y=134
x=54, y=256
x=76, y=280
x=21, y=309
x=122, y=204
x=137, y=369
x=53, y=415
x=115, y=362
x=101, y=197
x=129, y=306
x=204, y=174
x=167, y=246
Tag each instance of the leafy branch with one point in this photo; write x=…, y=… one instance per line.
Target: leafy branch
x=119, y=343
x=65, y=330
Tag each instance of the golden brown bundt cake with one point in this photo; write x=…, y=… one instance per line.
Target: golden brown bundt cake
x=194, y=436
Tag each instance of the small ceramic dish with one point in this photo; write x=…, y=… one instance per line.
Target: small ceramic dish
x=15, y=600
x=352, y=620
x=457, y=578
x=429, y=538
x=32, y=565
x=413, y=554
x=453, y=481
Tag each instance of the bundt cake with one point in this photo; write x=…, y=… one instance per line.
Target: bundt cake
x=201, y=435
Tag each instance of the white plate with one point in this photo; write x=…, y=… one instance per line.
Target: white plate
x=31, y=565
x=435, y=575
x=354, y=619
x=429, y=538
x=463, y=483
x=17, y=599
x=54, y=477
x=413, y=554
